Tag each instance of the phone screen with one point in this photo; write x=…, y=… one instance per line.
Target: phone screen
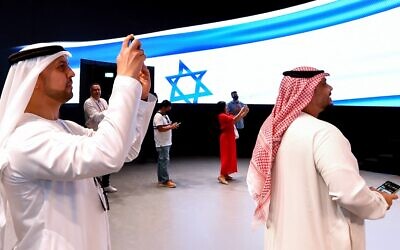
x=389, y=187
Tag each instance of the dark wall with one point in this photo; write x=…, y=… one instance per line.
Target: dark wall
x=198, y=133
x=373, y=134
x=372, y=131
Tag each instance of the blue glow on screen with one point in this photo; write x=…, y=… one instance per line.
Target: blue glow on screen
x=355, y=41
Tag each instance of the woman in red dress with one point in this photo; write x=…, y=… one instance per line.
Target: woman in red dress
x=227, y=141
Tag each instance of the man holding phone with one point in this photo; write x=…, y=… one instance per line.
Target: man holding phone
x=48, y=165
x=303, y=175
x=163, y=127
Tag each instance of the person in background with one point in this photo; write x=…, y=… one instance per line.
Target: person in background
x=94, y=108
x=242, y=137
x=303, y=176
x=163, y=127
x=227, y=141
x=48, y=165
x=234, y=107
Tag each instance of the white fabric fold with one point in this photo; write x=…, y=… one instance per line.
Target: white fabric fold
x=17, y=91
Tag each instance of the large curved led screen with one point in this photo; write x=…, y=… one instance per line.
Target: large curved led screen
x=355, y=41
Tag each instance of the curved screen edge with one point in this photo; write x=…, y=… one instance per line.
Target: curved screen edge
x=352, y=40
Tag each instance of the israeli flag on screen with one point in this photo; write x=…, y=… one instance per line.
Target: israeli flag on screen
x=355, y=41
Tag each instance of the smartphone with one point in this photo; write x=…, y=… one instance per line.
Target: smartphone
x=389, y=187
x=130, y=41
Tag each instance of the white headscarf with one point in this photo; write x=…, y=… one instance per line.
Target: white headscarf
x=17, y=91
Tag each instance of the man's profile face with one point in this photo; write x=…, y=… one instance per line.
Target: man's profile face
x=95, y=91
x=322, y=93
x=56, y=80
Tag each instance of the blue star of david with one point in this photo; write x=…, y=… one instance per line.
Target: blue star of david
x=199, y=91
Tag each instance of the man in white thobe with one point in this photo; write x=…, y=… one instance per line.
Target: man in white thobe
x=304, y=177
x=48, y=164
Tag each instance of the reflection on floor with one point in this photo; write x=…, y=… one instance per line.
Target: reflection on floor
x=203, y=214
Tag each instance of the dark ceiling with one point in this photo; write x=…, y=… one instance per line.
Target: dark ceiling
x=26, y=22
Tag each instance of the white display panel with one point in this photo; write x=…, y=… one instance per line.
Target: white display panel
x=355, y=41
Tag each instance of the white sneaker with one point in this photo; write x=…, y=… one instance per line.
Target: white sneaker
x=110, y=189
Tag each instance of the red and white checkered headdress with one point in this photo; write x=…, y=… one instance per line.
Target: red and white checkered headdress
x=295, y=93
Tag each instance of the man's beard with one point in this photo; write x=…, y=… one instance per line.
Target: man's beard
x=60, y=96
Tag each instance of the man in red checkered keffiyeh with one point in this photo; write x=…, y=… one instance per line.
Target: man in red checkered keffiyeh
x=294, y=95
x=303, y=176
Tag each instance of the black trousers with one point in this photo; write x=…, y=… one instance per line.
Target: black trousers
x=105, y=180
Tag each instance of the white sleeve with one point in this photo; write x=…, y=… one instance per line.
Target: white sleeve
x=50, y=153
x=158, y=120
x=144, y=116
x=339, y=169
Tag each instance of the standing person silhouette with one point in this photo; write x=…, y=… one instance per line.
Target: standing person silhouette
x=94, y=108
x=233, y=108
x=48, y=165
x=227, y=141
x=163, y=127
x=303, y=176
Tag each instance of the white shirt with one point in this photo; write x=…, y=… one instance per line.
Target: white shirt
x=94, y=111
x=318, y=200
x=162, y=139
x=53, y=200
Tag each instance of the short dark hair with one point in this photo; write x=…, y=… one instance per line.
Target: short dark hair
x=94, y=83
x=165, y=104
x=221, y=107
